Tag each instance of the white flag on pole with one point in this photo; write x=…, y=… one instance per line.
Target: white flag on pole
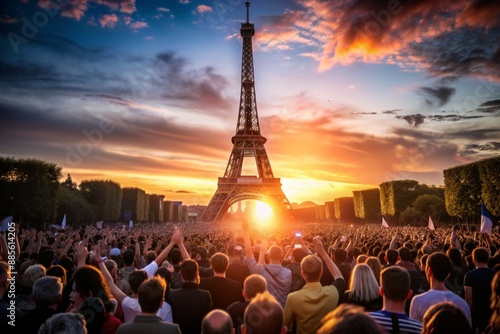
x=63, y=223
x=130, y=224
x=384, y=223
x=4, y=224
x=99, y=223
x=431, y=224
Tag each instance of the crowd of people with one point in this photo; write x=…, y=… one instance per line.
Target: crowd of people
x=237, y=278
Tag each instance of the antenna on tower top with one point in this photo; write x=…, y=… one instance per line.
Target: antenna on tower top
x=248, y=14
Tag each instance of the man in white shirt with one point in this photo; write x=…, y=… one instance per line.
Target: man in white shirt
x=437, y=270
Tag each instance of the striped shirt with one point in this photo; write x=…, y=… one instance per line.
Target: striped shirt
x=406, y=325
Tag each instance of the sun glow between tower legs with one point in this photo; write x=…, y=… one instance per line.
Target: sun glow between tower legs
x=263, y=213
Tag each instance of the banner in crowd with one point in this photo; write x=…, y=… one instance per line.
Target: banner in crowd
x=384, y=223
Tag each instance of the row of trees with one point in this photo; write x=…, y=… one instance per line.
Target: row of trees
x=31, y=192
x=400, y=202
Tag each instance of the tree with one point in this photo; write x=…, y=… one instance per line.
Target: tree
x=105, y=196
x=489, y=171
x=344, y=209
x=75, y=206
x=462, y=190
x=431, y=205
x=28, y=189
x=367, y=204
x=69, y=184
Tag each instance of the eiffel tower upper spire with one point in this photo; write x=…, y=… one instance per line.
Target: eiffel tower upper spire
x=248, y=120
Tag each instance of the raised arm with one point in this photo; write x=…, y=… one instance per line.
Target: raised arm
x=263, y=248
x=117, y=293
x=320, y=250
x=246, y=237
x=178, y=239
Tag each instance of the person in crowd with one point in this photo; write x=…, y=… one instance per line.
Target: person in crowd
x=395, y=290
x=437, y=271
x=47, y=294
x=374, y=263
x=477, y=286
x=94, y=313
x=130, y=305
x=348, y=319
x=236, y=270
x=150, y=296
x=189, y=303
x=298, y=281
x=264, y=315
x=89, y=282
x=24, y=302
x=448, y=320
x=64, y=323
x=364, y=289
x=224, y=291
x=494, y=324
x=217, y=322
x=279, y=279
x=441, y=306
x=391, y=257
x=309, y=305
x=57, y=271
x=253, y=285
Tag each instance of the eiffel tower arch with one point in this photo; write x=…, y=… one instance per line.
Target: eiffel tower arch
x=247, y=143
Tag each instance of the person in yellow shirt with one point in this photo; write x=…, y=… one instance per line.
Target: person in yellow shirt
x=310, y=304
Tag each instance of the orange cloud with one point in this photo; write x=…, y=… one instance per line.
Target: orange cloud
x=203, y=9
x=139, y=25
x=348, y=31
x=108, y=20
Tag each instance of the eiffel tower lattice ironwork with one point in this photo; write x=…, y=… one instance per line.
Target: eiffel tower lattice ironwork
x=234, y=187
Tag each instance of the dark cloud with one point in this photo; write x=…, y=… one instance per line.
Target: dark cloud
x=365, y=113
x=451, y=117
x=179, y=191
x=464, y=52
x=490, y=107
x=413, y=120
x=490, y=146
x=390, y=112
x=437, y=97
x=200, y=88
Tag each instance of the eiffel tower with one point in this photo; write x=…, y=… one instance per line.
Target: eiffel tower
x=234, y=187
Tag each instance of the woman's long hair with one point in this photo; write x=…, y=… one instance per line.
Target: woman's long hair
x=89, y=282
x=495, y=304
x=374, y=263
x=364, y=285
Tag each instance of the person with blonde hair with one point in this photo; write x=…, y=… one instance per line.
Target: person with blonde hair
x=364, y=289
x=374, y=263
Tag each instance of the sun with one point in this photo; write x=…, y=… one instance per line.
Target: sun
x=263, y=213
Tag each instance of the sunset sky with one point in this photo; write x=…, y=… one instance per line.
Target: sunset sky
x=350, y=93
